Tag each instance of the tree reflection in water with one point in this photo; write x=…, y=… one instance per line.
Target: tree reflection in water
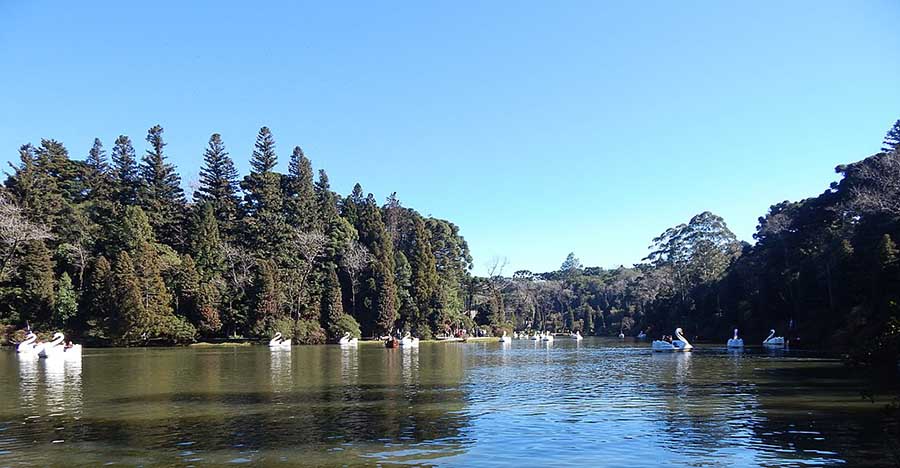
x=456, y=404
x=315, y=403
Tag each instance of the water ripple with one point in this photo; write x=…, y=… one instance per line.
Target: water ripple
x=596, y=403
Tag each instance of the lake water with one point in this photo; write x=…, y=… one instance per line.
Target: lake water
x=596, y=403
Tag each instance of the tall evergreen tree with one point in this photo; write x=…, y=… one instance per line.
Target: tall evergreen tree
x=162, y=197
x=219, y=183
x=96, y=159
x=392, y=214
x=100, y=301
x=207, y=244
x=262, y=187
x=351, y=206
x=22, y=184
x=892, y=139
x=187, y=289
x=325, y=200
x=66, y=307
x=408, y=311
x=379, y=311
x=125, y=174
x=424, y=278
x=264, y=227
x=155, y=319
x=332, y=304
x=97, y=176
x=300, y=202
x=210, y=265
x=37, y=284
x=588, y=317
x=45, y=185
x=67, y=175
x=132, y=322
x=267, y=299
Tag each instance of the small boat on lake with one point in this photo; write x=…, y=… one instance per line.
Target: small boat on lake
x=681, y=344
x=27, y=346
x=347, y=340
x=773, y=341
x=736, y=342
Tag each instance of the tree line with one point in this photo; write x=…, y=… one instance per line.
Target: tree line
x=822, y=271
x=111, y=250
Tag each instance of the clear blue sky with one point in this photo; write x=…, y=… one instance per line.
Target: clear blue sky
x=538, y=127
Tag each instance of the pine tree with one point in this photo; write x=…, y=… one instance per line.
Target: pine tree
x=332, y=304
x=125, y=171
x=219, y=183
x=134, y=229
x=148, y=269
x=38, y=185
x=210, y=265
x=408, y=311
x=100, y=300
x=66, y=307
x=67, y=175
x=155, y=319
x=264, y=227
x=207, y=244
x=96, y=159
x=386, y=303
x=325, y=201
x=379, y=311
x=187, y=289
x=588, y=314
x=892, y=139
x=392, y=213
x=267, y=299
x=424, y=278
x=262, y=187
x=352, y=205
x=131, y=320
x=337, y=229
x=37, y=284
x=209, y=301
x=571, y=265
x=162, y=197
x=22, y=184
x=300, y=203
x=96, y=176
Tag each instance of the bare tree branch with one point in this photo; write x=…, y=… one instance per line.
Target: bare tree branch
x=16, y=230
x=878, y=187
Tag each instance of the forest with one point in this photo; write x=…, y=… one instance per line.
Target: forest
x=112, y=250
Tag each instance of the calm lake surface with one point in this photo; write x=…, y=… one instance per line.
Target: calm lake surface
x=596, y=403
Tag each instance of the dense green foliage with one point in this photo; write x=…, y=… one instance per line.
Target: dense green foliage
x=114, y=253
x=823, y=271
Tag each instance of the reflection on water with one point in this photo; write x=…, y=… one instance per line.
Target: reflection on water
x=280, y=370
x=63, y=384
x=526, y=403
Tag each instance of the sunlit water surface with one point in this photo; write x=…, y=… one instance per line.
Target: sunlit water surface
x=594, y=403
